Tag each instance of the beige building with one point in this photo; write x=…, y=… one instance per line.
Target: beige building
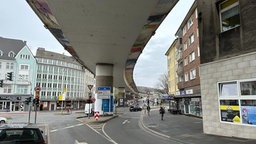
x=172, y=68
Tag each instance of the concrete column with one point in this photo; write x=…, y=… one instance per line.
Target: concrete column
x=104, y=77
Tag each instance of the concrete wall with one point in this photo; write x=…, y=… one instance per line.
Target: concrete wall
x=235, y=68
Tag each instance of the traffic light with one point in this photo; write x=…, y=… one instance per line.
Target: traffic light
x=28, y=100
x=9, y=76
x=37, y=101
x=1, y=83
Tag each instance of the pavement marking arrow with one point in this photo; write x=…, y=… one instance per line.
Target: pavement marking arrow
x=76, y=142
x=126, y=121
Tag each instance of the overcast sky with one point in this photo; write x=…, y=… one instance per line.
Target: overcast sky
x=18, y=21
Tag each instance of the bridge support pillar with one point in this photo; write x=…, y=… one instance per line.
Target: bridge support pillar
x=104, y=82
x=122, y=97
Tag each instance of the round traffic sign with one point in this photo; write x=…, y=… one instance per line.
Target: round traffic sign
x=37, y=89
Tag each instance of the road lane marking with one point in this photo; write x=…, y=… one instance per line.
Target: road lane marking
x=110, y=139
x=68, y=127
x=76, y=142
x=126, y=121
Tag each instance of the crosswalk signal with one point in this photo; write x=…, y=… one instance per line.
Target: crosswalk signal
x=1, y=83
x=9, y=76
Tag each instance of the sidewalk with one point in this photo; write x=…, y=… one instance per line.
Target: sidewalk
x=186, y=130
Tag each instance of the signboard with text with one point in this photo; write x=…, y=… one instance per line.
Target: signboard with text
x=103, y=92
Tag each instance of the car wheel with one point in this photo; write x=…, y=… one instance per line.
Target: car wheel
x=2, y=122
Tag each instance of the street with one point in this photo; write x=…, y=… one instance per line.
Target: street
x=127, y=127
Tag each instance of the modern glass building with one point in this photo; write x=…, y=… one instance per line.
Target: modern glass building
x=63, y=81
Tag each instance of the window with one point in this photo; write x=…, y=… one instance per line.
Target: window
x=24, y=67
x=238, y=102
x=185, y=46
x=186, y=76
x=196, y=13
x=38, y=76
x=191, y=39
x=185, y=61
x=7, y=89
x=190, y=22
x=198, y=50
x=229, y=15
x=228, y=89
x=191, y=56
x=192, y=74
x=7, y=65
x=248, y=88
x=12, y=65
x=184, y=30
x=11, y=54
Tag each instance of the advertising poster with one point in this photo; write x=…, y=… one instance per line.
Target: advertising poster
x=230, y=113
x=248, y=115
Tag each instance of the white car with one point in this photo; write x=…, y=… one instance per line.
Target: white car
x=3, y=120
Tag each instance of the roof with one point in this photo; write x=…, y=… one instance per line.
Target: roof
x=7, y=45
x=42, y=53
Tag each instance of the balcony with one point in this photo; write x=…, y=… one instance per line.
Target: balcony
x=180, y=85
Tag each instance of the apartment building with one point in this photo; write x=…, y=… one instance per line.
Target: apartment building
x=63, y=81
x=188, y=96
x=228, y=66
x=17, y=72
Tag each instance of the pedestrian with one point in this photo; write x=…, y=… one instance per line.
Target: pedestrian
x=162, y=111
x=148, y=109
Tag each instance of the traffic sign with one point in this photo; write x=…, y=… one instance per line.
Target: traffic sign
x=37, y=89
x=89, y=87
x=103, y=92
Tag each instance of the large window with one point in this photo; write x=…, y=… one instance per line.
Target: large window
x=192, y=74
x=192, y=56
x=229, y=14
x=237, y=101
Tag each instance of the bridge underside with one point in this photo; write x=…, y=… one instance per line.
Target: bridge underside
x=112, y=31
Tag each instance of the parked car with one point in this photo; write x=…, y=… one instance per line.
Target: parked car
x=19, y=134
x=3, y=120
x=135, y=108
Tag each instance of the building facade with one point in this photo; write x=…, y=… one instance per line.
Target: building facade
x=17, y=59
x=172, y=68
x=228, y=67
x=188, y=58
x=63, y=81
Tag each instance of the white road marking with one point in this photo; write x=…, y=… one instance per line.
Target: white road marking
x=111, y=140
x=124, y=121
x=55, y=130
x=76, y=142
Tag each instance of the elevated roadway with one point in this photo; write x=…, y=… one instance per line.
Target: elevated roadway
x=104, y=31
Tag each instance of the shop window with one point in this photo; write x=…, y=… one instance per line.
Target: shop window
x=228, y=89
x=239, y=108
x=248, y=88
x=229, y=14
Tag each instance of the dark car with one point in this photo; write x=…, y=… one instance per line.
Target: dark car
x=21, y=135
x=135, y=108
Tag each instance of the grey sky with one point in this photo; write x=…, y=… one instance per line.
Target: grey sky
x=18, y=21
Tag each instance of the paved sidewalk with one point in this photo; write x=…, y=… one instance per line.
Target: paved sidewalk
x=186, y=130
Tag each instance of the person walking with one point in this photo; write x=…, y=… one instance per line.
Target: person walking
x=162, y=111
x=148, y=109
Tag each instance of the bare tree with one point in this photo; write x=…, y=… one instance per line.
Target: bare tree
x=163, y=83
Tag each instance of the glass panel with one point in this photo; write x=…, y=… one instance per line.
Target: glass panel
x=229, y=110
x=228, y=89
x=248, y=88
x=248, y=111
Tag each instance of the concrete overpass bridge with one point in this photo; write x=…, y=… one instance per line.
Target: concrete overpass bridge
x=105, y=36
